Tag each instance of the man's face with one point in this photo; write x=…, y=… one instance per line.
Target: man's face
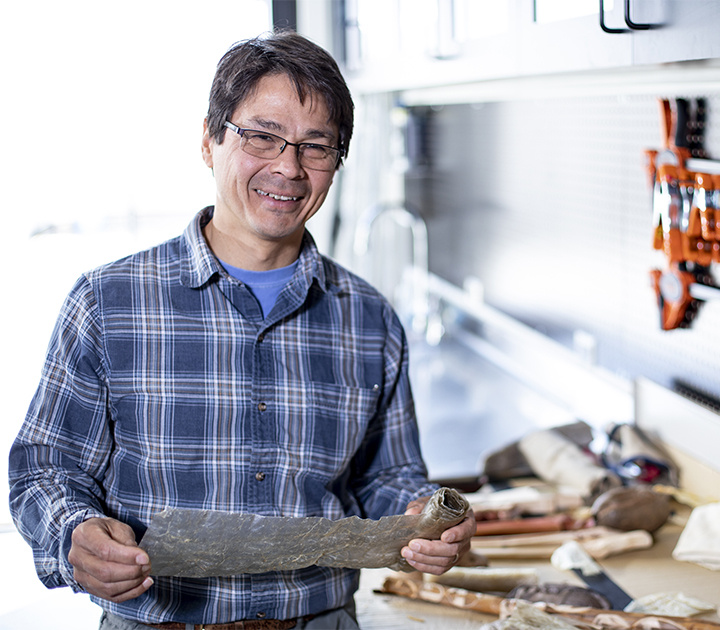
x=270, y=199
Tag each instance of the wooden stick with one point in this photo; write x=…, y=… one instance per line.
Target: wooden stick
x=439, y=594
x=554, y=523
x=600, y=543
x=614, y=544
x=492, y=605
x=527, y=552
x=547, y=538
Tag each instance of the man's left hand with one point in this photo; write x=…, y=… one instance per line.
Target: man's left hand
x=437, y=556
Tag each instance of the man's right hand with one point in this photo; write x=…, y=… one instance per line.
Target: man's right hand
x=108, y=562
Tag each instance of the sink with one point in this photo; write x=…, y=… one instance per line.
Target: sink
x=468, y=407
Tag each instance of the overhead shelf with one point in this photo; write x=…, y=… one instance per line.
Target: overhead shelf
x=677, y=79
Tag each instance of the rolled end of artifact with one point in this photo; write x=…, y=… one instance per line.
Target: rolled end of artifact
x=445, y=509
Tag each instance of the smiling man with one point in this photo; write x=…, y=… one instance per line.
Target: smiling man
x=269, y=185
x=233, y=368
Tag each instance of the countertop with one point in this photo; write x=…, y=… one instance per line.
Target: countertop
x=639, y=573
x=467, y=407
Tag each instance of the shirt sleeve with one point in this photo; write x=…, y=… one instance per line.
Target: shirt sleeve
x=389, y=468
x=60, y=455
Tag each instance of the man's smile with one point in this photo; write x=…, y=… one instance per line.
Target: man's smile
x=277, y=197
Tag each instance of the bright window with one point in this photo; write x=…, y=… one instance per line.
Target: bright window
x=101, y=120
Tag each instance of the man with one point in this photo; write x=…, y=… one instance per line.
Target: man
x=232, y=368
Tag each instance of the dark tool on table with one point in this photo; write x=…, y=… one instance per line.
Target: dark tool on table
x=571, y=556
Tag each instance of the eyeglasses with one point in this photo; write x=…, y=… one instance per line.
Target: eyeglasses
x=316, y=157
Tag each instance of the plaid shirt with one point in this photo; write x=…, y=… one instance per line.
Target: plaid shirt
x=164, y=386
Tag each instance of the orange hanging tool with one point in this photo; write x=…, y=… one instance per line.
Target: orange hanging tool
x=686, y=215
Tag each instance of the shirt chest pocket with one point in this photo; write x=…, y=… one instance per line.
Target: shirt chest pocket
x=334, y=420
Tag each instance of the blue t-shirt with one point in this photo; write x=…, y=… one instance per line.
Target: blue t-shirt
x=264, y=285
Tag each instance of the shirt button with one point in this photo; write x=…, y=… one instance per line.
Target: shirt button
x=262, y=406
x=261, y=615
x=259, y=476
x=261, y=337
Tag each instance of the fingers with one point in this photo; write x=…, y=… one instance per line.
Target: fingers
x=463, y=531
x=105, y=541
x=113, y=591
x=416, y=506
x=437, y=556
x=429, y=559
x=107, y=561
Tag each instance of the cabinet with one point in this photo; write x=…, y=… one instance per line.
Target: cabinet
x=569, y=45
x=426, y=43
x=690, y=30
x=417, y=43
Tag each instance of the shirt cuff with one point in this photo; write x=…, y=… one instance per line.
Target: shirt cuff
x=67, y=570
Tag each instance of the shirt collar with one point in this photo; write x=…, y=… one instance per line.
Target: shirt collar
x=202, y=265
x=310, y=262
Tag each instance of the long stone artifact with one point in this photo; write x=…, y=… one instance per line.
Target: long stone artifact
x=211, y=543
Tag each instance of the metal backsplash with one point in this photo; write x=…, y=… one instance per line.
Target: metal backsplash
x=548, y=203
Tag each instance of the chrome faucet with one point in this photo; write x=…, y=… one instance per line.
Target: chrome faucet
x=418, y=276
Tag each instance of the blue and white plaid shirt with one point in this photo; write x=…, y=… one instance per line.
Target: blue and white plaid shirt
x=164, y=386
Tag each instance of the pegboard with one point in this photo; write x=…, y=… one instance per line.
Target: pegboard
x=549, y=204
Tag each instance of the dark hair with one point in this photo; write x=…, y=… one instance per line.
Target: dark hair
x=308, y=66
